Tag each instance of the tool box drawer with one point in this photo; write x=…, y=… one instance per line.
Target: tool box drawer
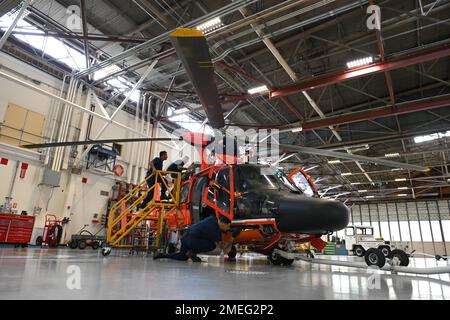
x=15, y=228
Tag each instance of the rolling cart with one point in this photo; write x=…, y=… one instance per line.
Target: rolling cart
x=85, y=238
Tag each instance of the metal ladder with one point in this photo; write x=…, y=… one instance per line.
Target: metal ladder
x=125, y=216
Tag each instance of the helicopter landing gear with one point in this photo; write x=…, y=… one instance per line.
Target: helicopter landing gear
x=278, y=260
x=232, y=253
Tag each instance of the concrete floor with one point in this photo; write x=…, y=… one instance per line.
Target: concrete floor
x=35, y=273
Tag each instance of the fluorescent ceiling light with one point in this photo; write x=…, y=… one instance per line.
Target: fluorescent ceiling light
x=355, y=183
x=299, y=129
x=400, y=179
x=346, y=174
x=402, y=188
x=210, y=25
x=359, y=62
x=397, y=169
x=334, y=161
x=392, y=155
x=402, y=195
x=106, y=71
x=182, y=110
x=362, y=191
x=370, y=197
x=431, y=137
x=258, y=89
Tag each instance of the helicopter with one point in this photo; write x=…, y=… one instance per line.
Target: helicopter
x=271, y=209
x=268, y=208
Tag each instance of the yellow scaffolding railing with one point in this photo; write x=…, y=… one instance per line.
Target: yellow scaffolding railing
x=126, y=215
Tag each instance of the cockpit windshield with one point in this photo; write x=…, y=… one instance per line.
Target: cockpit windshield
x=266, y=178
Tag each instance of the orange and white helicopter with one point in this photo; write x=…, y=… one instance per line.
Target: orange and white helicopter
x=271, y=209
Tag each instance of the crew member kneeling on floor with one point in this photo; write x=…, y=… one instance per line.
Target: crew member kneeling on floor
x=201, y=237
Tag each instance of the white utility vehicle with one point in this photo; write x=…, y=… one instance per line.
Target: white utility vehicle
x=361, y=239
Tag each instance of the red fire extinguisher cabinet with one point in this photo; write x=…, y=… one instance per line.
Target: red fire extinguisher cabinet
x=15, y=228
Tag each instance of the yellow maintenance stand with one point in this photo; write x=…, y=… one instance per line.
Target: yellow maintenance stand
x=126, y=215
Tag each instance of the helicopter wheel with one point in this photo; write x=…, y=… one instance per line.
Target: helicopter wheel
x=232, y=253
x=106, y=250
x=278, y=260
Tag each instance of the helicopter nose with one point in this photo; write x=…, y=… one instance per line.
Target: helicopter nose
x=313, y=216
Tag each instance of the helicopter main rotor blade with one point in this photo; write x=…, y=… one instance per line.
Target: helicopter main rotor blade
x=193, y=51
x=77, y=143
x=341, y=155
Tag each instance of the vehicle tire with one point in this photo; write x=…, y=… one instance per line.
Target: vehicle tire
x=386, y=251
x=39, y=241
x=73, y=244
x=232, y=253
x=374, y=257
x=82, y=245
x=402, y=256
x=359, y=251
x=95, y=245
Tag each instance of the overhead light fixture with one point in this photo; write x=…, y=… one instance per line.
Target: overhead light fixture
x=106, y=71
x=402, y=195
x=259, y=89
x=359, y=62
x=334, y=161
x=400, y=179
x=431, y=137
x=355, y=183
x=370, y=197
x=362, y=191
x=397, y=169
x=346, y=174
x=210, y=25
x=402, y=188
x=182, y=110
x=299, y=129
x=392, y=155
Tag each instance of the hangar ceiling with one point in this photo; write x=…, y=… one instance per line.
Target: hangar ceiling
x=281, y=43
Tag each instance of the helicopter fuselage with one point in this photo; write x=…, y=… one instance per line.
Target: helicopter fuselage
x=268, y=208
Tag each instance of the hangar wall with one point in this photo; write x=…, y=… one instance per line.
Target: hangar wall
x=424, y=224
x=74, y=199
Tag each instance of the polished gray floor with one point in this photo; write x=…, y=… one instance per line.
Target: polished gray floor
x=36, y=273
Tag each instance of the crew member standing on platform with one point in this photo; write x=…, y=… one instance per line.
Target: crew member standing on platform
x=155, y=164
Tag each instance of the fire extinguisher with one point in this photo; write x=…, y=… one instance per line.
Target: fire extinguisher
x=23, y=170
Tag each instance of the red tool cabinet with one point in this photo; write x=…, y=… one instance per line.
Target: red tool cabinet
x=16, y=228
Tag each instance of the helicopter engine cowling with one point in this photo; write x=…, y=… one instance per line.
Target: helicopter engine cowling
x=311, y=215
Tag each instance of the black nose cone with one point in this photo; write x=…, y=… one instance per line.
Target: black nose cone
x=309, y=215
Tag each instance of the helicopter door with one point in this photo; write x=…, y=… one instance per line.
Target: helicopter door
x=196, y=198
x=220, y=194
x=304, y=182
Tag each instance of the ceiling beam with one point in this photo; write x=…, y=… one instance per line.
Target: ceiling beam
x=387, y=111
x=417, y=57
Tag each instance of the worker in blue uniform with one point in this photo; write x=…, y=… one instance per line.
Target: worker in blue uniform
x=178, y=165
x=155, y=164
x=201, y=237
